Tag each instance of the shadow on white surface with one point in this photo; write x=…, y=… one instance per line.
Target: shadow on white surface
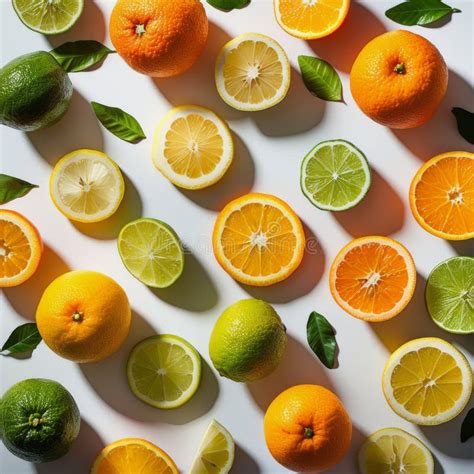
x=463, y=247
x=244, y=462
x=350, y=463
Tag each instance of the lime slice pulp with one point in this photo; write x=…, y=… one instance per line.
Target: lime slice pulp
x=151, y=252
x=164, y=371
x=450, y=295
x=335, y=175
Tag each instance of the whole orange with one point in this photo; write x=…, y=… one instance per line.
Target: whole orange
x=83, y=316
x=159, y=38
x=307, y=428
x=399, y=79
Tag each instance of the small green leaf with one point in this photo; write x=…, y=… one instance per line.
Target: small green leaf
x=320, y=78
x=13, y=188
x=419, y=12
x=77, y=56
x=24, y=338
x=467, y=427
x=118, y=122
x=465, y=120
x=228, y=5
x=322, y=339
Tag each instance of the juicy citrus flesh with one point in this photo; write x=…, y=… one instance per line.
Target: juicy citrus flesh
x=258, y=239
x=252, y=72
x=335, y=175
x=216, y=452
x=151, y=252
x=20, y=249
x=311, y=19
x=427, y=381
x=373, y=278
x=193, y=147
x=442, y=196
x=87, y=186
x=391, y=450
x=132, y=456
x=164, y=371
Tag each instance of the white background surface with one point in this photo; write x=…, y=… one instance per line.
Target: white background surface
x=270, y=147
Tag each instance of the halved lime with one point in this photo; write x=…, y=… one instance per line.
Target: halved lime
x=50, y=17
x=335, y=175
x=164, y=371
x=450, y=295
x=216, y=452
x=151, y=252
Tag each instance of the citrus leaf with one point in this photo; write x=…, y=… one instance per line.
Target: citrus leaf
x=24, y=338
x=322, y=339
x=467, y=427
x=118, y=122
x=320, y=78
x=228, y=5
x=419, y=12
x=77, y=56
x=465, y=120
x=13, y=188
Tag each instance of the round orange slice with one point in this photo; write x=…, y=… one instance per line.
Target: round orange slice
x=311, y=19
x=20, y=249
x=442, y=195
x=258, y=239
x=373, y=278
x=132, y=456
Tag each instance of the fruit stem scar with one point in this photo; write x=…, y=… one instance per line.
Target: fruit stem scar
x=34, y=420
x=78, y=316
x=140, y=30
x=399, y=68
x=308, y=433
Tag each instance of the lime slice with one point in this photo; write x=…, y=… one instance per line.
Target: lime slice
x=450, y=295
x=335, y=175
x=49, y=17
x=151, y=252
x=164, y=371
x=216, y=452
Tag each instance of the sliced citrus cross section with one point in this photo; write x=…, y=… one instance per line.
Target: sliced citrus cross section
x=258, y=239
x=373, y=278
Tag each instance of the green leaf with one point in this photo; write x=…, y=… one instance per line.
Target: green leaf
x=24, y=338
x=228, y=5
x=322, y=339
x=320, y=78
x=77, y=56
x=13, y=188
x=465, y=120
x=419, y=12
x=467, y=427
x=118, y=122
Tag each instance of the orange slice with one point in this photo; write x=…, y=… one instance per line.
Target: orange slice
x=373, y=278
x=20, y=249
x=311, y=19
x=132, y=456
x=442, y=195
x=258, y=239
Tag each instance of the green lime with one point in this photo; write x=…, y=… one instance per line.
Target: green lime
x=164, y=371
x=49, y=17
x=450, y=295
x=335, y=175
x=39, y=420
x=35, y=92
x=248, y=341
x=151, y=252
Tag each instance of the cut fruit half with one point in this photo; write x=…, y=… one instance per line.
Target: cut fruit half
x=335, y=175
x=373, y=278
x=391, y=451
x=427, y=381
x=216, y=452
x=164, y=371
x=252, y=72
x=193, y=147
x=86, y=186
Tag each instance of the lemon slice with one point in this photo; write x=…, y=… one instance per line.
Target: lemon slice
x=193, y=147
x=392, y=450
x=86, y=186
x=252, y=72
x=427, y=381
x=216, y=452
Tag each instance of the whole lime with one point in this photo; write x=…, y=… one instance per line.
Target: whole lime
x=248, y=341
x=35, y=92
x=39, y=420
